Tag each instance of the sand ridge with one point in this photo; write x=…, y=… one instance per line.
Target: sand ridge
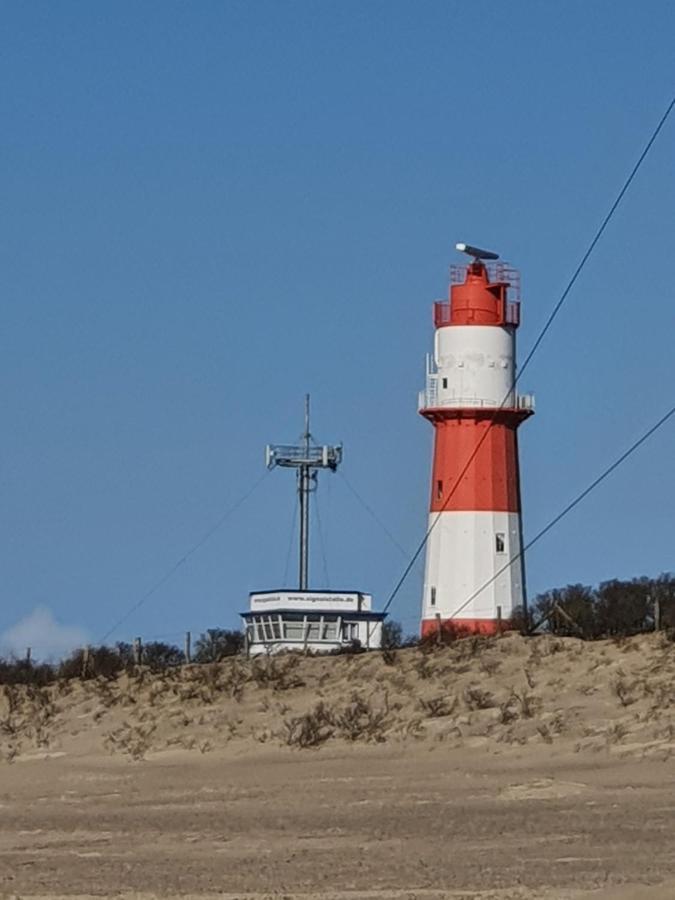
x=500, y=694
x=510, y=768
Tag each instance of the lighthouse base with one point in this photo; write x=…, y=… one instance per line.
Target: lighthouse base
x=447, y=629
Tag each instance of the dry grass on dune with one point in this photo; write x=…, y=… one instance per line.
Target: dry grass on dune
x=492, y=693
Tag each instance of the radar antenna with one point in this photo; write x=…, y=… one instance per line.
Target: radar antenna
x=476, y=252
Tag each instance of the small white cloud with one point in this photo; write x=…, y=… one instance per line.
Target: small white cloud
x=46, y=637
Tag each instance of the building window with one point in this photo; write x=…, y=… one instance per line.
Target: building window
x=445, y=383
x=500, y=544
x=350, y=631
x=294, y=626
x=329, y=630
x=439, y=489
x=313, y=628
x=433, y=597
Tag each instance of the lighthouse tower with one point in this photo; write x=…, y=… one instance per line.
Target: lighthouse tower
x=471, y=400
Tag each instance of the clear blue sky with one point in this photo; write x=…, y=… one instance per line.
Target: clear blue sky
x=210, y=208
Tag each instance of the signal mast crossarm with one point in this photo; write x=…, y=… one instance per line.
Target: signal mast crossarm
x=306, y=458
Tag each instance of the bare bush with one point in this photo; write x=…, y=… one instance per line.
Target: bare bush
x=423, y=667
x=359, y=720
x=437, y=707
x=310, y=729
x=133, y=740
x=477, y=698
x=527, y=703
x=623, y=690
x=277, y=673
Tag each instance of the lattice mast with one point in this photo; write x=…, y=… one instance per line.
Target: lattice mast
x=306, y=458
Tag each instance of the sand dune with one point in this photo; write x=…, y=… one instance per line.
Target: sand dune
x=509, y=768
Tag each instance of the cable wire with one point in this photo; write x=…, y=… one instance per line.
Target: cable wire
x=371, y=512
x=556, y=309
x=174, y=568
x=570, y=506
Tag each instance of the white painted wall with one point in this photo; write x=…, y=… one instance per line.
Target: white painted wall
x=476, y=361
x=462, y=557
x=368, y=633
x=317, y=601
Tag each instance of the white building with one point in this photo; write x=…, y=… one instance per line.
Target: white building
x=311, y=620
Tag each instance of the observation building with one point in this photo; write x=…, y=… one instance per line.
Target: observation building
x=300, y=618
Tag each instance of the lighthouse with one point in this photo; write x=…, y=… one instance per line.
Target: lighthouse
x=471, y=400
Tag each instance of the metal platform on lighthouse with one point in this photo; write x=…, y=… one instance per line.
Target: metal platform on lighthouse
x=299, y=618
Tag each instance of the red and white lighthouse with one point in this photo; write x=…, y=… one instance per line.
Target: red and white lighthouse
x=471, y=400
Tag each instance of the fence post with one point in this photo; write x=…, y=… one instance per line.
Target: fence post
x=85, y=660
x=188, y=647
x=138, y=651
x=439, y=629
x=28, y=655
x=305, y=625
x=657, y=614
x=499, y=620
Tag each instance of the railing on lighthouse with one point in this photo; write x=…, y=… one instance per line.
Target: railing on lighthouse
x=430, y=398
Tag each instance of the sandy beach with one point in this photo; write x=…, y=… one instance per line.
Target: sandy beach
x=512, y=768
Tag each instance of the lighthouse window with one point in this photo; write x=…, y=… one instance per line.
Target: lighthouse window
x=500, y=544
x=439, y=489
x=445, y=382
x=433, y=597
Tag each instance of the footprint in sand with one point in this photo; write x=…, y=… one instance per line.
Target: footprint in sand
x=542, y=789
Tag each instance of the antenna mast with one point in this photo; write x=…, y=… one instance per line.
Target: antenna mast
x=306, y=459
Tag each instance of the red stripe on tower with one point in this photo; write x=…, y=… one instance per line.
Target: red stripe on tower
x=471, y=400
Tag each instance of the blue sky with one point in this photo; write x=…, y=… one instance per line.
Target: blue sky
x=211, y=208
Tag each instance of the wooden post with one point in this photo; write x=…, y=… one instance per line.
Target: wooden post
x=188, y=648
x=138, y=651
x=657, y=614
x=28, y=655
x=499, y=620
x=85, y=660
x=439, y=629
x=568, y=618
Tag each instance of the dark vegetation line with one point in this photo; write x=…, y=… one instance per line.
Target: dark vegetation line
x=614, y=609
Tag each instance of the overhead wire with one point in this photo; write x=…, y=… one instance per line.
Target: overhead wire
x=371, y=512
x=570, y=506
x=549, y=321
x=183, y=559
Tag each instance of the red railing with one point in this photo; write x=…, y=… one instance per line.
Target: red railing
x=442, y=313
